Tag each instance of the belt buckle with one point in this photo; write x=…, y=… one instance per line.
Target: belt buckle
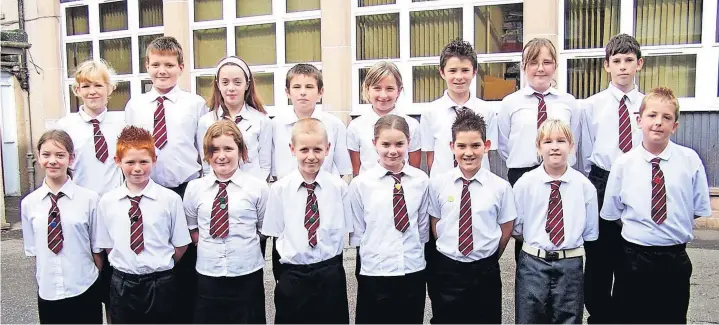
x=552, y=256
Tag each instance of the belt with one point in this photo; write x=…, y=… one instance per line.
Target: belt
x=553, y=255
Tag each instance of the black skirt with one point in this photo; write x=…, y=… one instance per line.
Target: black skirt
x=230, y=300
x=391, y=299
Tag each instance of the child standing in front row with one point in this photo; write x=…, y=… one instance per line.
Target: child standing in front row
x=556, y=214
x=609, y=129
x=381, y=88
x=312, y=285
x=523, y=112
x=224, y=211
x=142, y=227
x=389, y=207
x=656, y=190
x=59, y=228
x=472, y=213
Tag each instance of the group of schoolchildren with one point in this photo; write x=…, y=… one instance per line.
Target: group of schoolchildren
x=166, y=219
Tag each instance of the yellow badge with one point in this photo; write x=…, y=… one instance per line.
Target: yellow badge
x=450, y=198
x=398, y=186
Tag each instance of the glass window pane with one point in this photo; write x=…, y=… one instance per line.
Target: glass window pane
x=117, y=52
x=145, y=85
x=208, y=10
x=378, y=36
x=302, y=5
x=76, y=20
x=586, y=77
x=76, y=53
x=265, y=86
x=496, y=80
x=677, y=72
x=590, y=23
x=203, y=85
x=665, y=22
x=422, y=0
x=210, y=45
x=367, y=3
x=143, y=42
x=113, y=16
x=362, y=74
x=249, y=8
x=119, y=97
x=150, y=13
x=717, y=28
x=427, y=84
x=302, y=41
x=256, y=44
x=74, y=100
x=430, y=31
x=498, y=29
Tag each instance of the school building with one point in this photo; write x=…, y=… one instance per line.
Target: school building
x=44, y=40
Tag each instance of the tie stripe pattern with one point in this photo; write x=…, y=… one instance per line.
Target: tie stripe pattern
x=220, y=217
x=54, y=226
x=137, y=240
x=555, y=215
x=659, y=193
x=238, y=119
x=625, y=127
x=100, y=143
x=312, y=214
x=401, y=218
x=466, y=241
x=457, y=110
x=160, y=131
x=541, y=109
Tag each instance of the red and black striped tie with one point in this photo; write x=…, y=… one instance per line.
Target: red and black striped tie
x=160, y=131
x=555, y=215
x=466, y=241
x=100, y=143
x=137, y=240
x=625, y=127
x=401, y=218
x=541, y=109
x=54, y=226
x=220, y=217
x=659, y=193
x=312, y=214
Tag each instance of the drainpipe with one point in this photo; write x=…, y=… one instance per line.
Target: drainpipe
x=29, y=156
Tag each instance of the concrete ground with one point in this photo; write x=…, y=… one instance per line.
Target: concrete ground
x=18, y=297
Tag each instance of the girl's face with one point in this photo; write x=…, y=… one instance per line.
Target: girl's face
x=233, y=85
x=225, y=157
x=55, y=160
x=94, y=94
x=540, y=70
x=391, y=146
x=383, y=95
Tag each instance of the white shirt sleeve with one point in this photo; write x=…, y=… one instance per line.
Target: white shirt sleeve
x=180, y=234
x=94, y=224
x=128, y=113
x=518, y=229
x=199, y=143
x=507, y=210
x=28, y=233
x=423, y=216
x=612, y=207
x=265, y=154
x=576, y=124
x=349, y=224
x=102, y=239
x=415, y=138
x=358, y=222
x=503, y=127
x=587, y=137
x=262, y=204
x=353, y=141
x=491, y=128
x=591, y=228
x=702, y=205
x=273, y=224
x=190, y=205
x=425, y=132
x=342, y=156
x=435, y=206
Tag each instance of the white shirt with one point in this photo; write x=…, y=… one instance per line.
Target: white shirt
x=436, y=130
x=492, y=203
x=385, y=251
x=239, y=253
x=179, y=160
x=517, y=124
x=600, y=127
x=72, y=271
x=286, y=216
x=256, y=131
x=164, y=228
x=88, y=171
x=629, y=195
x=283, y=162
x=360, y=134
x=579, y=205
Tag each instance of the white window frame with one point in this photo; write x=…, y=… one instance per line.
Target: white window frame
x=405, y=63
x=707, y=54
x=229, y=21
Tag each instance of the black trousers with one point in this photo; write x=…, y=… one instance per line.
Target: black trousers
x=144, y=299
x=277, y=267
x=186, y=276
x=391, y=299
x=466, y=293
x=513, y=175
x=85, y=308
x=231, y=300
x=313, y=294
x=653, y=284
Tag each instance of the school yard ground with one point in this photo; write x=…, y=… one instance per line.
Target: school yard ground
x=18, y=299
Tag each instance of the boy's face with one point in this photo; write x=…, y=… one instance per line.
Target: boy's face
x=658, y=121
x=164, y=70
x=310, y=150
x=93, y=94
x=555, y=149
x=383, y=95
x=469, y=148
x=303, y=93
x=623, y=67
x=136, y=165
x=54, y=159
x=225, y=157
x=458, y=74
x=391, y=146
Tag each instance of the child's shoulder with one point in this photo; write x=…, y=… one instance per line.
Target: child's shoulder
x=575, y=175
x=416, y=173
x=330, y=119
x=208, y=118
x=68, y=120
x=689, y=155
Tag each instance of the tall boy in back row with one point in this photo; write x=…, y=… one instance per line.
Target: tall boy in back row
x=609, y=129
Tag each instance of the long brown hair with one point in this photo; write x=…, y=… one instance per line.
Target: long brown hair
x=63, y=139
x=251, y=96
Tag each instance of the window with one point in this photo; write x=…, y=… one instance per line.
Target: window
x=256, y=44
x=302, y=5
x=74, y=101
x=210, y=47
x=204, y=87
x=249, y=8
x=76, y=20
x=117, y=52
x=586, y=77
x=498, y=29
x=378, y=37
x=208, y=10
x=150, y=13
x=427, y=83
x=75, y=54
x=590, y=23
x=496, y=80
x=265, y=87
x=367, y=3
x=302, y=41
x=677, y=72
x=142, y=43
x=113, y=16
x=119, y=97
x=431, y=30
x=668, y=22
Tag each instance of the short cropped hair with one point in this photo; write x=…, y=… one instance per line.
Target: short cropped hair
x=458, y=49
x=376, y=73
x=468, y=121
x=95, y=70
x=223, y=127
x=309, y=125
x=553, y=125
x=166, y=45
x=662, y=94
x=622, y=44
x=304, y=69
x=133, y=137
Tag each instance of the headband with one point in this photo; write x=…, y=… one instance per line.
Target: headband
x=236, y=61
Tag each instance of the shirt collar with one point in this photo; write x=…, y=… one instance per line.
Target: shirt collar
x=150, y=191
x=529, y=91
x=86, y=117
x=68, y=189
x=379, y=171
x=664, y=155
x=236, y=178
x=296, y=179
x=171, y=95
x=546, y=178
x=376, y=116
x=289, y=117
x=480, y=176
x=632, y=95
x=447, y=101
x=244, y=112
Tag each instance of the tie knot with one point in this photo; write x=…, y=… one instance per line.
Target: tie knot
x=655, y=162
x=555, y=185
x=539, y=96
x=161, y=99
x=223, y=185
x=95, y=122
x=397, y=177
x=465, y=182
x=55, y=197
x=238, y=119
x=135, y=200
x=623, y=100
x=310, y=186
